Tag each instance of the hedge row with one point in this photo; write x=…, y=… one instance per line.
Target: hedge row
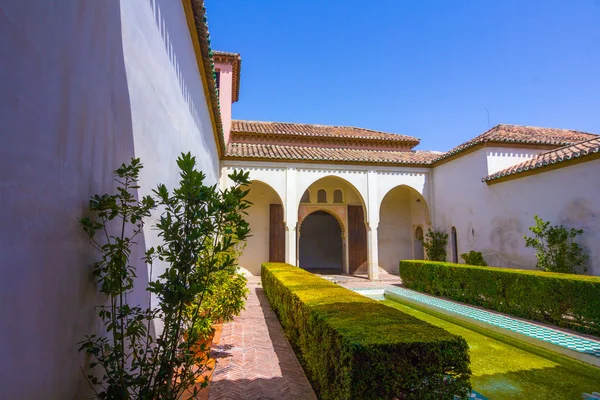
x=353, y=347
x=566, y=300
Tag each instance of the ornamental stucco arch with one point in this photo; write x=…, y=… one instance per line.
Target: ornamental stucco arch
x=356, y=180
x=338, y=212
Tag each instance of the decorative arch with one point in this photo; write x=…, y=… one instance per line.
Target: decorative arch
x=337, y=212
x=322, y=196
x=318, y=250
x=345, y=195
x=338, y=196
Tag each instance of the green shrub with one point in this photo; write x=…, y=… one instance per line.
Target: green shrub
x=474, y=258
x=555, y=248
x=435, y=245
x=566, y=300
x=353, y=347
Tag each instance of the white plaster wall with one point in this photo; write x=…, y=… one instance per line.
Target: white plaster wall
x=66, y=125
x=395, y=229
x=499, y=158
x=85, y=86
x=256, y=251
x=493, y=219
x=569, y=196
x=169, y=111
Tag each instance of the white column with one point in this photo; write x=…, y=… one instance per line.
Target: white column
x=291, y=216
x=372, y=254
x=372, y=224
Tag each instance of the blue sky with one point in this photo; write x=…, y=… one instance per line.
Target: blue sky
x=429, y=69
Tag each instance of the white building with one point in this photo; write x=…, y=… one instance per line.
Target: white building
x=88, y=85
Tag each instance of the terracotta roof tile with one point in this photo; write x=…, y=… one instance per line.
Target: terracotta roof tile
x=522, y=135
x=312, y=130
x=578, y=150
x=300, y=153
x=201, y=27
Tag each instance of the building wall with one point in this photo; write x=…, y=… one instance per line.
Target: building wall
x=85, y=86
x=256, y=250
x=499, y=158
x=169, y=111
x=493, y=219
x=395, y=229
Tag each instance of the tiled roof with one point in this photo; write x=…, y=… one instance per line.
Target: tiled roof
x=325, y=154
x=236, y=61
x=517, y=134
x=311, y=130
x=200, y=26
x=571, y=152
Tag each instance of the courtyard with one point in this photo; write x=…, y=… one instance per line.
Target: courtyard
x=311, y=200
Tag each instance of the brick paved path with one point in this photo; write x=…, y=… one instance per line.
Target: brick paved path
x=254, y=359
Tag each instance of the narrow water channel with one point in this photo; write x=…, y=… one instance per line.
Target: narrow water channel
x=504, y=368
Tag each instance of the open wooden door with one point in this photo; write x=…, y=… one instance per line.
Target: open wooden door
x=276, y=234
x=357, y=238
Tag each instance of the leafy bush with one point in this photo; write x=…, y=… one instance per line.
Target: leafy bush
x=352, y=347
x=435, y=245
x=474, y=258
x=555, y=248
x=225, y=297
x=566, y=300
x=199, y=226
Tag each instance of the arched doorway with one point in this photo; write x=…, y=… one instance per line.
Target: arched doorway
x=401, y=209
x=267, y=228
x=339, y=197
x=321, y=247
x=418, y=244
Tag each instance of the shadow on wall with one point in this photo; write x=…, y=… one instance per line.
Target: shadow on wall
x=164, y=16
x=67, y=125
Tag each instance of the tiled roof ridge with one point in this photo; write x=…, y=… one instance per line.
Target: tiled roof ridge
x=389, y=135
x=488, y=137
x=200, y=26
x=236, y=150
x=226, y=53
x=545, y=159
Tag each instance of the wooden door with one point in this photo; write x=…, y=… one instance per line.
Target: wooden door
x=276, y=234
x=357, y=238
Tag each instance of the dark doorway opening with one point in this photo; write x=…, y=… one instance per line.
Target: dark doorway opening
x=321, y=249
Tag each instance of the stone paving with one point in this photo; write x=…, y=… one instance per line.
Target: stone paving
x=254, y=359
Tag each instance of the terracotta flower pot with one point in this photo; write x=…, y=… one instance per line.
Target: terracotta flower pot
x=218, y=330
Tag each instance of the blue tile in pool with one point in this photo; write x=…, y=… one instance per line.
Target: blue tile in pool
x=563, y=339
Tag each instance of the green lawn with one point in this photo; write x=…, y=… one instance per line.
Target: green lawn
x=504, y=368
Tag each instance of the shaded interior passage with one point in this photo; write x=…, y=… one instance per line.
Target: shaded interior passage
x=321, y=247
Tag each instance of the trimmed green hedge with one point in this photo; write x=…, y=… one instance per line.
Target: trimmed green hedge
x=566, y=300
x=353, y=347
